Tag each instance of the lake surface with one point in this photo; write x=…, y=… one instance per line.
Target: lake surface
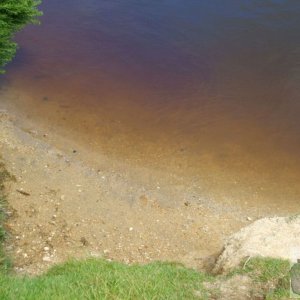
x=205, y=89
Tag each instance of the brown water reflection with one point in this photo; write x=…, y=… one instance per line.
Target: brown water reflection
x=202, y=90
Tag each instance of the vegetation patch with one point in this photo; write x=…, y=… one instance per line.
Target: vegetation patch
x=100, y=279
x=4, y=176
x=14, y=15
x=267, y=269
x=272, y=274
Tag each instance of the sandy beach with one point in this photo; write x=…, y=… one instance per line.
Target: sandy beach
x=62, y=207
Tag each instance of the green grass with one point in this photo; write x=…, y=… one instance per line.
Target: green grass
x=100, y=279
x=271, y=271
x=267, y=269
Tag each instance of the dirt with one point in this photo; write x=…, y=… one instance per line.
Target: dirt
x=239, y=287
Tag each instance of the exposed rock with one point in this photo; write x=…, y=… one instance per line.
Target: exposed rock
x=268, y=237
x=295, y=278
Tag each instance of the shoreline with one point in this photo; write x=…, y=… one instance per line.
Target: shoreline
x=73, y=210
x=66, y=206
x=235, y=174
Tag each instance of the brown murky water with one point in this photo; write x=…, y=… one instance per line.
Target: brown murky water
x=203, y=90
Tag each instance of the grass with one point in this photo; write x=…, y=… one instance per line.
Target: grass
x=100, y=279
x=271, y=272
x=5, y=262
x=267, y=269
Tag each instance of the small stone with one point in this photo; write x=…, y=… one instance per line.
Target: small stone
x=46, y=248
x=84, y=241
x=46, y=258
x=249, y=219
x=295, y=278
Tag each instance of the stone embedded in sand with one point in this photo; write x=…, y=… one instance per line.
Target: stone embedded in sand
x=295, y=278
x=46, y=258
x=268, y=237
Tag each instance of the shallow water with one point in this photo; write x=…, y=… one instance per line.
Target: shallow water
x=202, y=89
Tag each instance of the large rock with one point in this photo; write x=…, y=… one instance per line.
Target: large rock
x=268, y=237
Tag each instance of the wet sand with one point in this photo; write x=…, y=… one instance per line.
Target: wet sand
x=230, y=162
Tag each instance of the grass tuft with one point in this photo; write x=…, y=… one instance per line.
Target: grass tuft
x=267, y=269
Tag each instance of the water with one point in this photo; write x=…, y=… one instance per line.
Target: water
x=202, y=89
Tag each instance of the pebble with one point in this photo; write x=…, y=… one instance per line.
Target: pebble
x=46, y=258
x=46, y=248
